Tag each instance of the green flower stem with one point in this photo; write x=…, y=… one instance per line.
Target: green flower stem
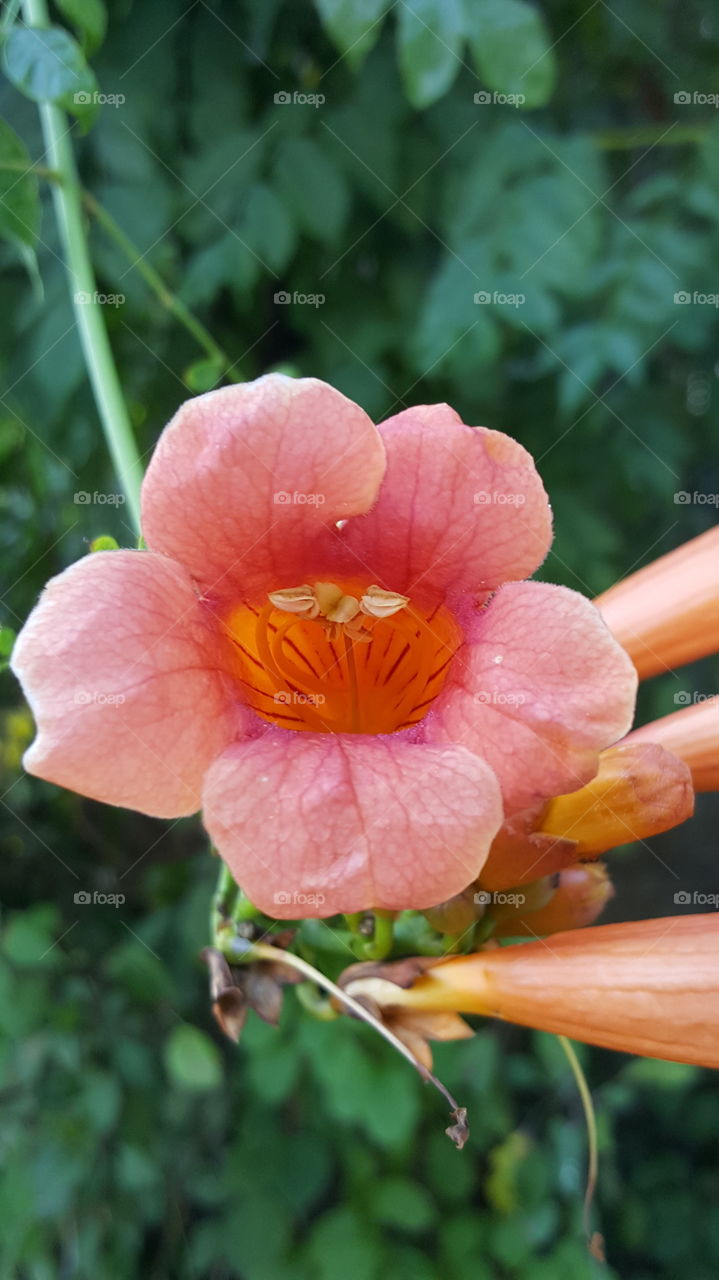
x=222, y=902
x=238, y=950
x=591, y=1122
x=39, y=170
x=151, y=277
x=67, y=197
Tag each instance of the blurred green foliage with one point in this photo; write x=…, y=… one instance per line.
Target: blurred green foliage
x=337, y=150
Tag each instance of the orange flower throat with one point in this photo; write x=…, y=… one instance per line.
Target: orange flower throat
x=341, y=658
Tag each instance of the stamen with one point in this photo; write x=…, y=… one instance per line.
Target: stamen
x=345, y=658
x=382, y=604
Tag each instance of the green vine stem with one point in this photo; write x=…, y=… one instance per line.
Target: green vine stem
x=67, y=197
x=591, y=1122
x=151, y=277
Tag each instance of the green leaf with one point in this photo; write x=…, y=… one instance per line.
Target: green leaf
x=354, y=25
x=89, y=18
x=404, y=1204
x=267, y=227
x=47, y=65
x=192, y=1059
x=29, y=938
x=104, y=542
x=512, y=49
x=430, y=35
x=342, y=1243
x=203, y=375
x=19, y=200
x=313, y=186
x=7, y=640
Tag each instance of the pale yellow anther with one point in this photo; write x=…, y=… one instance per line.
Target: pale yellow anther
x=345, y=610
x=298, y=600
x=327, y=595
x=382, y=604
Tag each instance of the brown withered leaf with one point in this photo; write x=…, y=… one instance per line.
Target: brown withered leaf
x=403, y=973
x=236, y=989
x=459, y=1130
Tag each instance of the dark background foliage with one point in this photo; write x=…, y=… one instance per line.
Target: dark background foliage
x=135, y=1142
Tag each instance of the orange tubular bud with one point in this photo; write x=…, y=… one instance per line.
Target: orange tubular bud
x=691, y=734
x=650, y=987
x=640, y=790
x=668, y=613
x=581, y=895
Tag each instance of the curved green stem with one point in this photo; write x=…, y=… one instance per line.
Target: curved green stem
x=67, y=197
x=151, y=277
x=591, y=1121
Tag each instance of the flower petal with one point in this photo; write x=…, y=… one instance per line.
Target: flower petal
x=693, y=735
x=247, y=482
x=461, y=509
x=581, y=895
x=667, y=614
x=650, y=987
x=119, y=666
x=640, y=790
x=540, y=688
x=313, y=824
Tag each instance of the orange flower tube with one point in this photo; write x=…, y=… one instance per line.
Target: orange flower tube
x=650, y=987
x=581, y=895
x=693, y=735
x=667, y=614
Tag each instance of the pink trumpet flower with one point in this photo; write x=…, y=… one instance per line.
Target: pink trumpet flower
x=327, y=646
